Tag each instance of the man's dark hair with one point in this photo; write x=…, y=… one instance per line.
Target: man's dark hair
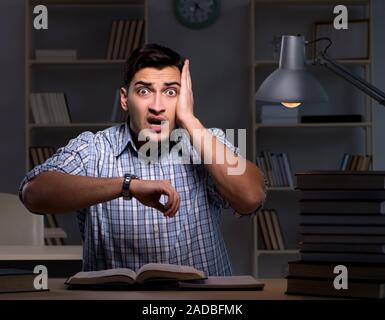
x=153, y=56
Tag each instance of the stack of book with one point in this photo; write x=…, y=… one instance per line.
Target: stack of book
x=276, y=168
x=270, y=230
x=49, y=108
x=355, y=162
x=277, y=114
x=125, y=36
x=342, y=223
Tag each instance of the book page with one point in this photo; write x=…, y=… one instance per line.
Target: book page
x=163, y=271
x=103, y=276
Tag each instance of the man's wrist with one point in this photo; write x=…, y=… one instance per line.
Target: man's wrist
x=126, y=187
x=190, y=123
x=133, y=187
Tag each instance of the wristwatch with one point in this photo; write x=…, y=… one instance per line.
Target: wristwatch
x=128, y=177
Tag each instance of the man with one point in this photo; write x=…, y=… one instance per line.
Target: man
x=133, y=212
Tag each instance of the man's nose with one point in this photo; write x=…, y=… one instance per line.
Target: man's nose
x=157, y=105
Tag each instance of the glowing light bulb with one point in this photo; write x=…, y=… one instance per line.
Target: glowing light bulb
x=291, y=105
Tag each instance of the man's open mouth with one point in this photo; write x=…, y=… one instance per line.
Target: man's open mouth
x=155, y=123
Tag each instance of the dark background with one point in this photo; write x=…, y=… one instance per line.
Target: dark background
x=220, y=66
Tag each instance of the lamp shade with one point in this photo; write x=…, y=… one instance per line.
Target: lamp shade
x=291, y=82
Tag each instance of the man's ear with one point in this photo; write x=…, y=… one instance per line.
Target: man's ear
x=123, y=98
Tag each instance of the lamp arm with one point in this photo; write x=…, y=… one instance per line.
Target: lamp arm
x=358, y=82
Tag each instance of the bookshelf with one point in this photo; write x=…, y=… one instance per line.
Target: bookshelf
x=309, y=146
x=89, y=79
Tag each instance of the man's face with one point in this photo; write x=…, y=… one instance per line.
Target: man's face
x=151, y=101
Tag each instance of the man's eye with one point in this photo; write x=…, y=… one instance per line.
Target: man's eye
x=143, y=91
x=172, y=92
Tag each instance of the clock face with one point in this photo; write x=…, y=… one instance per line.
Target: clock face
x=197, y=13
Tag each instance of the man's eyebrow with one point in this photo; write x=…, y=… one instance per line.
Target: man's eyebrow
x=172, y=83
x=149, y=84
x=143, y=83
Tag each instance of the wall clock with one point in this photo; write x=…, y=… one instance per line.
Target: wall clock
x=197, y=13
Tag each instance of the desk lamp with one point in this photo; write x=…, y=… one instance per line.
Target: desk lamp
x=291, y=84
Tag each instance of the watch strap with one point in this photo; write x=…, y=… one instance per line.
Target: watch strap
x=128, y=177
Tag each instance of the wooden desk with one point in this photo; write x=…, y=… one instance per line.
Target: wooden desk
x=274, y=290
x=61, y=261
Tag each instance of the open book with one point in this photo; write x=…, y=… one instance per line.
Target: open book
x=148, y=273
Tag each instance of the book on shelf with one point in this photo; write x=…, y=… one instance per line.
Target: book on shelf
x=138, y=34
x=332, y=118
x=150, y=273
x=347, y=180
x=39, y=155
x=358, y=271
x=49, y=108
x=269, y=223
x=130, y=39
x=123, y=44
x=355, y=162
x=276, y=169
x=53, y=54
x=376, y=207
x=278, y=176
x=324, y=287
x=17, y=280
x=118, y=40
x=125, y=36
x=262, y=227
x=285, y=181
x=270, y=229
x=342, y=194
x=277, y=229
x=111, y=40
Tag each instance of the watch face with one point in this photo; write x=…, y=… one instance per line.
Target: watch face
x=197, y=13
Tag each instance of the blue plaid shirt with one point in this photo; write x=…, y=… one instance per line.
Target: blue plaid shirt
x=127, y=234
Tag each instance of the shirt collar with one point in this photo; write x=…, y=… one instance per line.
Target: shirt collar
x=124, y=139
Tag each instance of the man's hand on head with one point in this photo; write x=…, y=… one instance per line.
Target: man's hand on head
x=149, y=192
x=185, y=105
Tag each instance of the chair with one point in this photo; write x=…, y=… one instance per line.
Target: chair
x=18, y=226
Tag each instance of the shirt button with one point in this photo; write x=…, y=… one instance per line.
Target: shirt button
x=156, y=229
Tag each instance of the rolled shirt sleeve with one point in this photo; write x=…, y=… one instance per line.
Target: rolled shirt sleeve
x=214, y=194
x=71, y=159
